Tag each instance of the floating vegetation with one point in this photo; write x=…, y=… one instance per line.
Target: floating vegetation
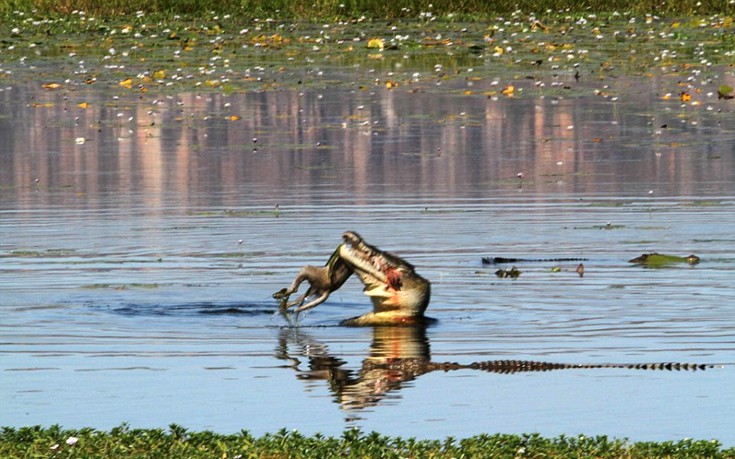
x=564, y=53
x=134, y=285
x=607, y=226
x=50, y=253
x=429, y=211
x=703, y=203
x=228, y=255
x=237, y=213
x=511, y=273
x=608, y=204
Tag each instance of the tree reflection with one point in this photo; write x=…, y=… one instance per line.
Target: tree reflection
x=197, y=149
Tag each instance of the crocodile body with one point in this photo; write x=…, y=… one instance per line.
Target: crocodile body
x=399, y=294
x=503, y=260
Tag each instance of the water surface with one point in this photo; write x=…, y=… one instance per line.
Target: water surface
x=142, y=235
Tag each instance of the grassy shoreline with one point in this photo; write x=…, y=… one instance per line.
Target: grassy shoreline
x=178, y=442
x=332, y=9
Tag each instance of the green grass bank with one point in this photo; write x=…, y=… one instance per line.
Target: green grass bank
x=332, y=9
x=177, y=442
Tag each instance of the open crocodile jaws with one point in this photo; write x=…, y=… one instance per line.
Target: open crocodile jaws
x=399, y=295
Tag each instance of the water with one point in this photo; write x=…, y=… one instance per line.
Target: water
x=141, y=239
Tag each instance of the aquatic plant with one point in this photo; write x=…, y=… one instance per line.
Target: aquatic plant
x=554, y=55
x=426, y=9
x=126, y=442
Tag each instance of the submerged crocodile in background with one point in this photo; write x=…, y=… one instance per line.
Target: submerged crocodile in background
x=647, y=259
x=656, y=259
x=503, y=260
x=398, y=293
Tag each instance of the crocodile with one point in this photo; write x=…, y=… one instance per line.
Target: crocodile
x=401, y=354
x=647, y=259
x=399, y=295
x=655, y=259
x=503, y=260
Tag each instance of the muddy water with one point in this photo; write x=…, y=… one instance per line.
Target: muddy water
x=142, y=235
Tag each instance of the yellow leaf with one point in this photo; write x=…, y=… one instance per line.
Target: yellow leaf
x=159, y=74
x=127, y=83
x=51, y=85
x=233, y=117
x=508, y=90
x=376, y=43
x=83, y=105
x=467, y=92
x=391, y=84
x=686, y=97
x=499, y=50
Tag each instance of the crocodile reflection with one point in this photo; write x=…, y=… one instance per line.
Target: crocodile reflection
x=399, y=355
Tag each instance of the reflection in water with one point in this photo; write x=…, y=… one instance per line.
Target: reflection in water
x=401, y=354
x=397, y=355
x=194, y=149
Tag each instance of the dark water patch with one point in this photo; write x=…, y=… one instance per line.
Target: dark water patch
x=105, y=369
x=196, y=309
x=33, y=369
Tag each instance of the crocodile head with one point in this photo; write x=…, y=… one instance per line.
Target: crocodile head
x=399, y=295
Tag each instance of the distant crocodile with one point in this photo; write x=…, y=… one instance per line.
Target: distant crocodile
x=653, y=259
x=503, y=260
x=656, y=259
